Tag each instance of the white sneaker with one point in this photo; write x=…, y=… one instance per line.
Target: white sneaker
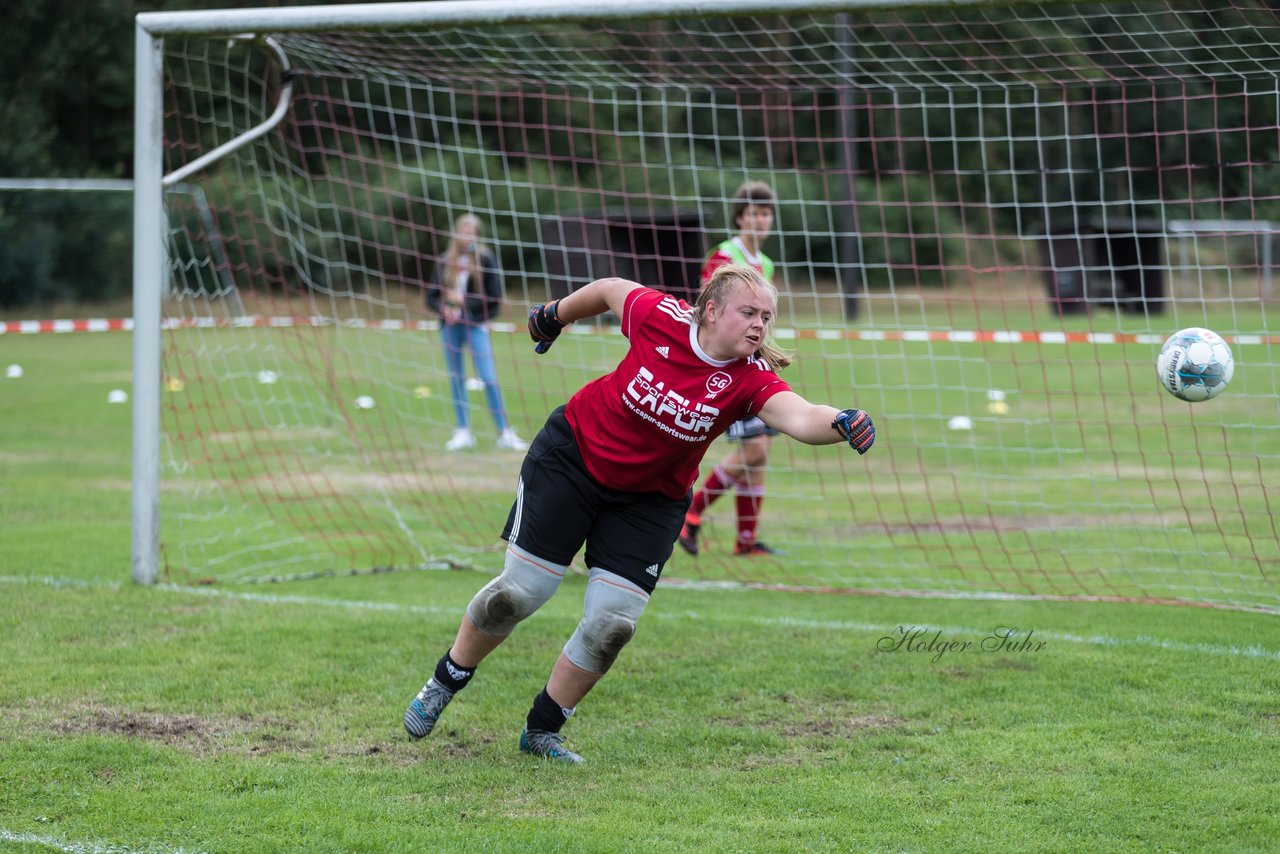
x=509, y=441
x=462, y=440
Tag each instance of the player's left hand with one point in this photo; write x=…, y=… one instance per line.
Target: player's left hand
x=545, y=325
x=855, y=427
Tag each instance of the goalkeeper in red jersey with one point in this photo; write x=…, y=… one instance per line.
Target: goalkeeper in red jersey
x=612, y=469
x=742, y=469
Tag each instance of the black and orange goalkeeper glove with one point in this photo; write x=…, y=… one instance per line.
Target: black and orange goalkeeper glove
x=855, y=427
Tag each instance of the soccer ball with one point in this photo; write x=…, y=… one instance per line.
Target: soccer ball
x=1195, y=364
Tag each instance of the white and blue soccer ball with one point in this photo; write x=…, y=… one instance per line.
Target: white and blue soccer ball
x=1195, y=364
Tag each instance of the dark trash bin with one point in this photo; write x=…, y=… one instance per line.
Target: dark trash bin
x=1116, y=263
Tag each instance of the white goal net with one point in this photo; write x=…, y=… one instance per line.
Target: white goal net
x=989, y=218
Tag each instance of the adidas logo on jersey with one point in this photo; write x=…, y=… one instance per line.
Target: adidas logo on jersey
x=653, y=570
x=663, y=351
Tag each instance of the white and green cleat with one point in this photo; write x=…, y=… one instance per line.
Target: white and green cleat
x=549, y=745
x=423, y=712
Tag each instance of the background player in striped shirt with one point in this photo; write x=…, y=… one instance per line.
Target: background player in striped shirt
x=612, y=469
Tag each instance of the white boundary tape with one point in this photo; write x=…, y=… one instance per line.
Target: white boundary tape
x=960, y=336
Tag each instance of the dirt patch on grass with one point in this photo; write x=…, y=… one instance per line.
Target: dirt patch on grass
x=842, y=727
x=814, y=738
x=465, y=747
x=817, y=725
x=395, y=754
x=171, y=729
x=404, y=753
x=202, y=735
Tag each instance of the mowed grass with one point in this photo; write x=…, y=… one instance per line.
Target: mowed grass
x=249, y=717
x=735, y=721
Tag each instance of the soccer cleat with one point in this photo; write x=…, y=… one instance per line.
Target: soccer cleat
x=548, y=745
x=462, y=440
x=509, y=441
x=754, y=549
x=688, y=538
x=421, y=716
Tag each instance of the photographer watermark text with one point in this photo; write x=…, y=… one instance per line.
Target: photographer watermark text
x=1009, y=640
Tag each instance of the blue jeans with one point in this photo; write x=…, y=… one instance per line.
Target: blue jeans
x=457, y=337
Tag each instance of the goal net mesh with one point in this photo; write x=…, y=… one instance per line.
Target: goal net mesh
x=988, y=220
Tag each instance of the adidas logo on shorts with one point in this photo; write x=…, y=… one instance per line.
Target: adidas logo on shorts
x=653, y=570
x=663, y=351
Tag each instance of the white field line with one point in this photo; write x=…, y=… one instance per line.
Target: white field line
x=970, y=632
x=50, y=581
x=289, y=599
x=83, y=847
x=1252, y=651
x=963, y=595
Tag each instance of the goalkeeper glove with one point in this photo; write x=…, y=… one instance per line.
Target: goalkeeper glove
x=855, y=427
x=545, y=325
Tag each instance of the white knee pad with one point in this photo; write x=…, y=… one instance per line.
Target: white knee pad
x=613, y=606
x=525, y=584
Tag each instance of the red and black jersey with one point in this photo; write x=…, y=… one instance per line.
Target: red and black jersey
x=646, y=426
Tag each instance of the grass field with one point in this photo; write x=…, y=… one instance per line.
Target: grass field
x=239, y=717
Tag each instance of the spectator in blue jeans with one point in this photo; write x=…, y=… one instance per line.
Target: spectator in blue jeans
x=466, y=292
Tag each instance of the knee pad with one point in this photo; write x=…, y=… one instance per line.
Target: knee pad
x=525, y=584
x=612, y=607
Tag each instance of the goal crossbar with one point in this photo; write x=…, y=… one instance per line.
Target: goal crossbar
x=387, y=16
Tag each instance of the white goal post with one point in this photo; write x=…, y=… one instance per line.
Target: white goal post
x=976, y=200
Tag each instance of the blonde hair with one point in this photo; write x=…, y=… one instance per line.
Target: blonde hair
x=455, y=250
x=718, y=288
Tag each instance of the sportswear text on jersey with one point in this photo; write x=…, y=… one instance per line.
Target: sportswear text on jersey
x=668, y=408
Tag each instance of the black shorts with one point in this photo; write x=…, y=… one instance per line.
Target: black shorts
x=559, y=506
x=748, y=428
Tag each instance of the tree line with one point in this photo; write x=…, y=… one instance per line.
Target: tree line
x=1024, y=161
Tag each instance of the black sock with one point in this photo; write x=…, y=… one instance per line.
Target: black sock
x=547, y=715
x=451, y=675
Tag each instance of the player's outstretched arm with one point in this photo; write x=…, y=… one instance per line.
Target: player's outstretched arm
x=596, y=298
x=546, y=321
x=818, y=424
